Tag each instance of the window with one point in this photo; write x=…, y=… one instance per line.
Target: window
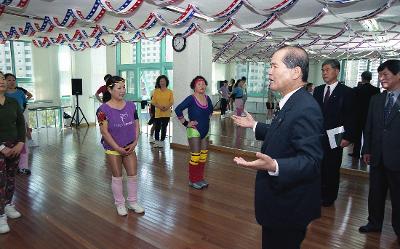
x=64, y=68
x=128, y=53
x=141, y=63
x=6, y=67
x=353, y=71
x=147, y=46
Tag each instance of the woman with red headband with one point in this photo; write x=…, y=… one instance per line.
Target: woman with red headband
x=200, y=109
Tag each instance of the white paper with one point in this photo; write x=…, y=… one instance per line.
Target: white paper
x=331, y=136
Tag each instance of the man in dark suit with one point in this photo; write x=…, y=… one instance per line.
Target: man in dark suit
x=287, y=191
x=363, y=93
x=382, y=148
x=335, y=100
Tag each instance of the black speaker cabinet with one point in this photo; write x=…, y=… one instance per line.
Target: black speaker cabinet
x=76, y=86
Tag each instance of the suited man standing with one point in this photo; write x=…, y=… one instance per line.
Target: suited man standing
x=335, y=100
x=287, y=189
x=381, y=149
x=363, y=93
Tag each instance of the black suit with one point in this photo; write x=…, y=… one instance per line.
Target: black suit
x=291, y=200
x=363, y=94
x=337, y=112
x=382, y=142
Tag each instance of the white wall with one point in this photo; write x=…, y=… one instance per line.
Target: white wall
x=45, y=73
x=47, y=76
x=195, y=60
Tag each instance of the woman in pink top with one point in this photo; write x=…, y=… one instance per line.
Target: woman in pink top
x=119, y=127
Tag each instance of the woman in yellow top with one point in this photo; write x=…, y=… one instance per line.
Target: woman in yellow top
x=163, y=99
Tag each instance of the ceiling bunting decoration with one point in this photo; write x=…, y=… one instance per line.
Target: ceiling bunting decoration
x=95, y=14
x=281, y=7
x=225, y=47
x=181, y=20
x=378, y=11
x=250, y=46
x=128, y=7
x=340, y=33
x=373, y=14
x=229, y=11
x=163, y=3
x=265, y=24
x=47, y=25
x=317, y=39
x=309, y=23
x=15, y=3
x=12, y=3
x=68, y=22
x=299, y=35
x=339, y=3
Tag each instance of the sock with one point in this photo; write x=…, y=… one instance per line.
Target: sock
x=116, y=186
x=132, y=189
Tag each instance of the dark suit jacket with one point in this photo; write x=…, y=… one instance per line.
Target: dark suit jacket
x=293, y=139
x=339, y=111
x=382, y=141
x=363, y=94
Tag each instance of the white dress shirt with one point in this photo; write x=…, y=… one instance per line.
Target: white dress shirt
x=331, y=88
x=282, y=102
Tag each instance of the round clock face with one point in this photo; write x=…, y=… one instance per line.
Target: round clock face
x=178, y=43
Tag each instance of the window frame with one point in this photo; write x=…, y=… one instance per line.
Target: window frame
x=163, y=66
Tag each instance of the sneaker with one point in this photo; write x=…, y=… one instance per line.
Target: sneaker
x=4, y=228
x=121, y=210
x=11, y=212
x=152, y=140
x=196, y=185
x=158, y=144
x=136, y=208
x=24, y=172
x=204, y=183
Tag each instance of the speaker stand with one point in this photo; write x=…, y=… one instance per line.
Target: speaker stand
x=75, y=116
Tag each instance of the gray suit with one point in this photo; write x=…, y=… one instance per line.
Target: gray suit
x=382, y=142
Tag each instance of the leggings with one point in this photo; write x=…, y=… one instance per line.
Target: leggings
x=8, y=168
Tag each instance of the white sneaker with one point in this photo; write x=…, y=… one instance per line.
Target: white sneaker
x=121, y=210
x=158, y=144
x=136, y=208
x=11, y=212
x=4, y=228
x=152, y=140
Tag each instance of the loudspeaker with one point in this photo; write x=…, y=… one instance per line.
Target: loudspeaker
x=76, y=86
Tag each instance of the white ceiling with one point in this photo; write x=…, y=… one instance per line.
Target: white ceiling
x=355, y=42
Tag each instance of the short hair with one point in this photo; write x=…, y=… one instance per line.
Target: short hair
x=244, y=78
x=193, y=83
x=366, y=75
x=10, y=74
x=159, y=79
x=392, y=65
x=309, y=85
x=111, y=83
x=107, y=76
x=335, y=64
x=296, y=57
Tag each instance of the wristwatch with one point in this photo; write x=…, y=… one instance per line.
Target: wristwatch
x=2, y=147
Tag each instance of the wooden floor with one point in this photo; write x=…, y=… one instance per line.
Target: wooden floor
x=67, y=203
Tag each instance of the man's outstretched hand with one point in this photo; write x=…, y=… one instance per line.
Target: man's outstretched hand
x=247, y=121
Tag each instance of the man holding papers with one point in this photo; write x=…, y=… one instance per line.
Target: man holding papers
x=335, y=100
